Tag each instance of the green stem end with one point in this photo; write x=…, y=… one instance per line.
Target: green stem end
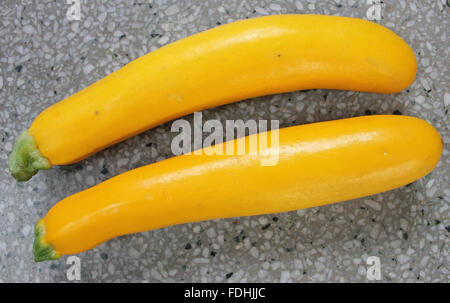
x=42, y=250
x=26, y=159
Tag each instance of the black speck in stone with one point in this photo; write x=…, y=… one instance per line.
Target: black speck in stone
x=218, y=23
x=53, y=266
x=104, y=171
x=266, y=226
x=213, y=254
x=437, y=222
x=368, y=112
x=448, y=228
x=405, y=235
x=338, y=5
x=149, y=144
x=275, y=219
x=199, y=243
x=397, y=112
x=228, y=275
x=19, y=68
x=121, y=37
x=188, y=246
x=104, y=256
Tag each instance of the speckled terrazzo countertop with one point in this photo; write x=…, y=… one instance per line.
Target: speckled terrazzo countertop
x=44, y=57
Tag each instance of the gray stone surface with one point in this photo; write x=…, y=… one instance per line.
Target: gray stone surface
x=44, y=57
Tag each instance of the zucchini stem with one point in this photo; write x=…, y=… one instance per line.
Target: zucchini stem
x=26, y=159
x=41, y=249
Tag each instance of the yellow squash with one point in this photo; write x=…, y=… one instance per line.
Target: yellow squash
x=318, y=164
x=233, y=62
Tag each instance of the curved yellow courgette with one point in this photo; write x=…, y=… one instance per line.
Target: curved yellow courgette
x=245, y=59
x=319, y=163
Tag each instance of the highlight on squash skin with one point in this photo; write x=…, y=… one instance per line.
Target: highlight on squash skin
x=229, y=63
x=319, y=164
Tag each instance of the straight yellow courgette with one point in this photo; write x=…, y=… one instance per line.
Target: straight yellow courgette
x=233, y=62
x=319, y=163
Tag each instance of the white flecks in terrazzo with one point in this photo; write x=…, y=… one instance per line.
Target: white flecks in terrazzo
x=163, y=40
x=372, y=204
x=172, y=10
x=46, y=57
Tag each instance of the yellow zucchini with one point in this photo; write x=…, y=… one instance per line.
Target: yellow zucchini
x=319, y=163
x=233, y=62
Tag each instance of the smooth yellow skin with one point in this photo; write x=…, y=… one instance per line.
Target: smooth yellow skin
x=319, y=164
x=233, y=62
